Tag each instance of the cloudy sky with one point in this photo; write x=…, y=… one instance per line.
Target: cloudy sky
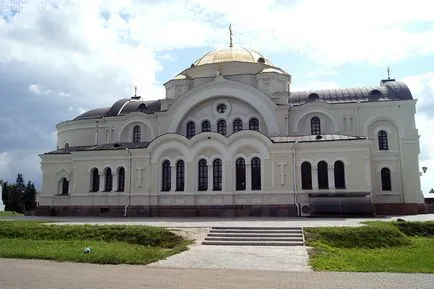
x=62, y=57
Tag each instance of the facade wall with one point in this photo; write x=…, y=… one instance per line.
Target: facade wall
x=245, y=96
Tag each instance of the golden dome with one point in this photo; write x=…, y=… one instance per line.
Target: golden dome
x=232, y=54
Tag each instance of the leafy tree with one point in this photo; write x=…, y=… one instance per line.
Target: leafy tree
x=431, y=191
x=29, y=198
x=16, y=195
x=19, y=197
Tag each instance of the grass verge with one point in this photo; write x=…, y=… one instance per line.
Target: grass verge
x=378, y=247
x=109, y=244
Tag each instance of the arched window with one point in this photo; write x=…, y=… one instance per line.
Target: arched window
x=166, y=175
x=217, y=175
x=256, y=174
x=136, y=133
x=323, y=176
x=315, y=125
x=203, y=175
x=221, y=127
x=254, y=124
x=206, y=126
x=306, y=176
x=313, y=97
x=66, y=145
x=383, y=144
x=108, y=180
x=65, y=186
x=121, y=179
x=339, y=171
x=94, y=187
x=191, y=129
x=237, y=125
x=386, y=183
x=240, y=174
x=180, y=175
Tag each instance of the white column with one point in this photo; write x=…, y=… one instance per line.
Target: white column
x=314, y=177
x=331, y=175
x=210, y=177
x=172, y=177
x=249, y=177
x=115, y=182
x=228, y=176
x=101, y=182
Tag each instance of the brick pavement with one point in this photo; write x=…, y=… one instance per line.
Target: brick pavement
x=36, y=274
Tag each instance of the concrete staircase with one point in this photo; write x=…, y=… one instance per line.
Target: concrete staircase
x=255, y=236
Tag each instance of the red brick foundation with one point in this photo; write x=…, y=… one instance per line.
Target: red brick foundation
x=170, y=211
x=398, y=209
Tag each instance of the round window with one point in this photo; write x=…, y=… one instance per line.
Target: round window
x=221, y=108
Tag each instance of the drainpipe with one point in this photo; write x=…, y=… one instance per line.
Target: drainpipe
x=294, y=178
x=129, y=182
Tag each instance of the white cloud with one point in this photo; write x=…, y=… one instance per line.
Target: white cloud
x=37, y=89
x=422, y=88
x=331, y=32
x=78, y=59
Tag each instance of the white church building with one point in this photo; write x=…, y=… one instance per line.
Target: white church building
x=232, y=139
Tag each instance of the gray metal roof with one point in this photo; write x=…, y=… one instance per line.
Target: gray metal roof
x=123, y=107
x=94, y=113
x=388, y=90
x=315, y=138
x=102, y=147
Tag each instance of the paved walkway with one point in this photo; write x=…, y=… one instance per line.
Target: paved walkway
x=35, y=274
x=234, y=222
x=269, y=258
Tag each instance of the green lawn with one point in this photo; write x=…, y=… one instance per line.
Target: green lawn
x=109, y=244
x=387, y=250
x=9, y=214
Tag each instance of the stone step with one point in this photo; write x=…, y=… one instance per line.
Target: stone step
x=242, y=234
x=255, y=236
x=258, y=228
x=299, y=239
x=253, y=243
x=254, y=231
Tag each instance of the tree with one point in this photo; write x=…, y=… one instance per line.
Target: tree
x=16, y=195
x=432, y=191
x=29, y=198
x=19, y=197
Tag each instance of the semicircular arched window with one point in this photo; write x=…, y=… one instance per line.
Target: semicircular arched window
x=315, y=125
x=313, y=97
x=254, y=124
x=306, y=176
x=121, y=179
x=166, y=176
x=240, y=174
x=191, y=129
x=206, y=126
x=108, y=177
x=237, y=125
x=221, y=127
x=136, y=133
x=383, y=143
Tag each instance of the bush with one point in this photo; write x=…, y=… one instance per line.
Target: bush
x=141, y=235
x=358, y=237
x=423, y=229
